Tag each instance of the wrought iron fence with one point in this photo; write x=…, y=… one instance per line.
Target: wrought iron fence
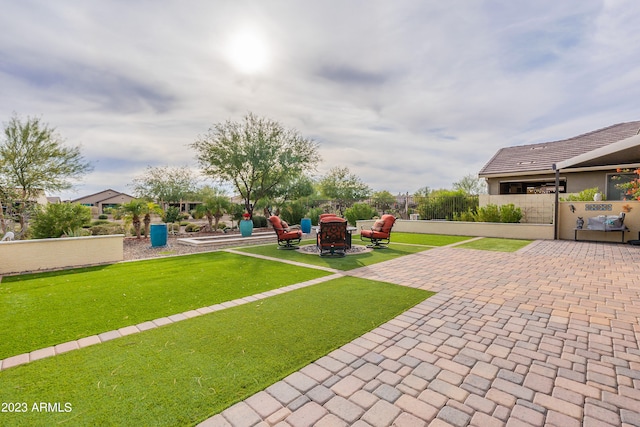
x=444, y=207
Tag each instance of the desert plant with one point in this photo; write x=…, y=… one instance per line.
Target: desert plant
x=192, y=228
x=56, y=219
x=103, y=216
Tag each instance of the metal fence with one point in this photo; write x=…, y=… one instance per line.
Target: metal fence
x=444, y=207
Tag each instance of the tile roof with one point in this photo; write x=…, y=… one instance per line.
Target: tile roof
x=542, y=156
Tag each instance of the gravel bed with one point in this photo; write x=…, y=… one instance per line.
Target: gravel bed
x=135, y=249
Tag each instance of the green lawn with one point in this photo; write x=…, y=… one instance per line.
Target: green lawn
x=495, y=244
x=426, y=239
x=183, y=373
x=348, y=262
x=45, y=309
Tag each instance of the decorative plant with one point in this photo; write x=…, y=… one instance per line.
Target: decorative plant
x=631, y=188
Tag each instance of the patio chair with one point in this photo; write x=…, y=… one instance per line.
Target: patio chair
x=332, y=236
x=287, y=238
x=380, y=234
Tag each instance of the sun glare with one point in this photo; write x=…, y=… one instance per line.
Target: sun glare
x=248, y=52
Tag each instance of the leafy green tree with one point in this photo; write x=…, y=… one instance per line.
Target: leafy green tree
x=470, y=184
x=57, y=219
x=345, y=188
x=383, y=201
x=214, y=205
x=165, y=184
x=256, y=155
x=33, y=159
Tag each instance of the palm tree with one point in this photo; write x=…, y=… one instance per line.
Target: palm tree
x=133, y=210
x=214, y=205
x=148, y=209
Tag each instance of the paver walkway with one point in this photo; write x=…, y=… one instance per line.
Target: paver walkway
x=547, y=336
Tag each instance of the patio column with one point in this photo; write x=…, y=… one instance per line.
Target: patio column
x=556, y=207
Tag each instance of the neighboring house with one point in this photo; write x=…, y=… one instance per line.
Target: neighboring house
x=103, y=200
x=584, y=161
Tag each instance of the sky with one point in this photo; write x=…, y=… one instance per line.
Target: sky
x=404, y=93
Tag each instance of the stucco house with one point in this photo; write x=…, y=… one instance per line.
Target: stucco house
x=526, y=175
x=103, y=200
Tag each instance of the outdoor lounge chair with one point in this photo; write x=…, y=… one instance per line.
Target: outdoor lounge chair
x=380, y=234
x=332, y=236
x=287, y=238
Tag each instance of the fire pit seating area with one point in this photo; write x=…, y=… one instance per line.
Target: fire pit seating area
x=287, y=238
x=332, y=236
x=604, y=223
x=380, y=234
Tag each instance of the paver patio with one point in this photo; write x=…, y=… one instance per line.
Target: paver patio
x=547, y=336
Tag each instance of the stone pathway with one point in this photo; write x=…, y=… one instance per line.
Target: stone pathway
x=547, y=336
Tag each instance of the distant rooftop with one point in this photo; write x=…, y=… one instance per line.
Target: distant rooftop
x=542, y=156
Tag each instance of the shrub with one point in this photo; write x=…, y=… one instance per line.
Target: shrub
x=192, y=228
x=510, y=213
x=103, y=216
x=583, y=196
x=172, y=214
x=78, y=232
x=259, y=221
x=173, y=227
x=57, y=219
x=492, y=213
x=293, y=212
x=100, y=222
x=359, y=211
x=106, y=229
x=222, y=225
x=314, y=215
x=468, y=216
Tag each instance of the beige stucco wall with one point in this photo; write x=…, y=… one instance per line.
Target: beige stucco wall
x=567, y=220
x=53, y=254
x=476, y=229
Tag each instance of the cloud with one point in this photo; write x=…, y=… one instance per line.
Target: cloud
x=406, y=94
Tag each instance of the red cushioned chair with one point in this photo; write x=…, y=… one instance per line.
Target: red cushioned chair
x=380, y=234
x=332, y=236
x=287, y=239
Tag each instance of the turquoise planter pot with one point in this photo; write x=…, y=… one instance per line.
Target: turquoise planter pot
x=158, y=234
x=246, y=227
x=305, y=225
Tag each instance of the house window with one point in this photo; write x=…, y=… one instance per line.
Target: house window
x=613, y=180
x=532, y=187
